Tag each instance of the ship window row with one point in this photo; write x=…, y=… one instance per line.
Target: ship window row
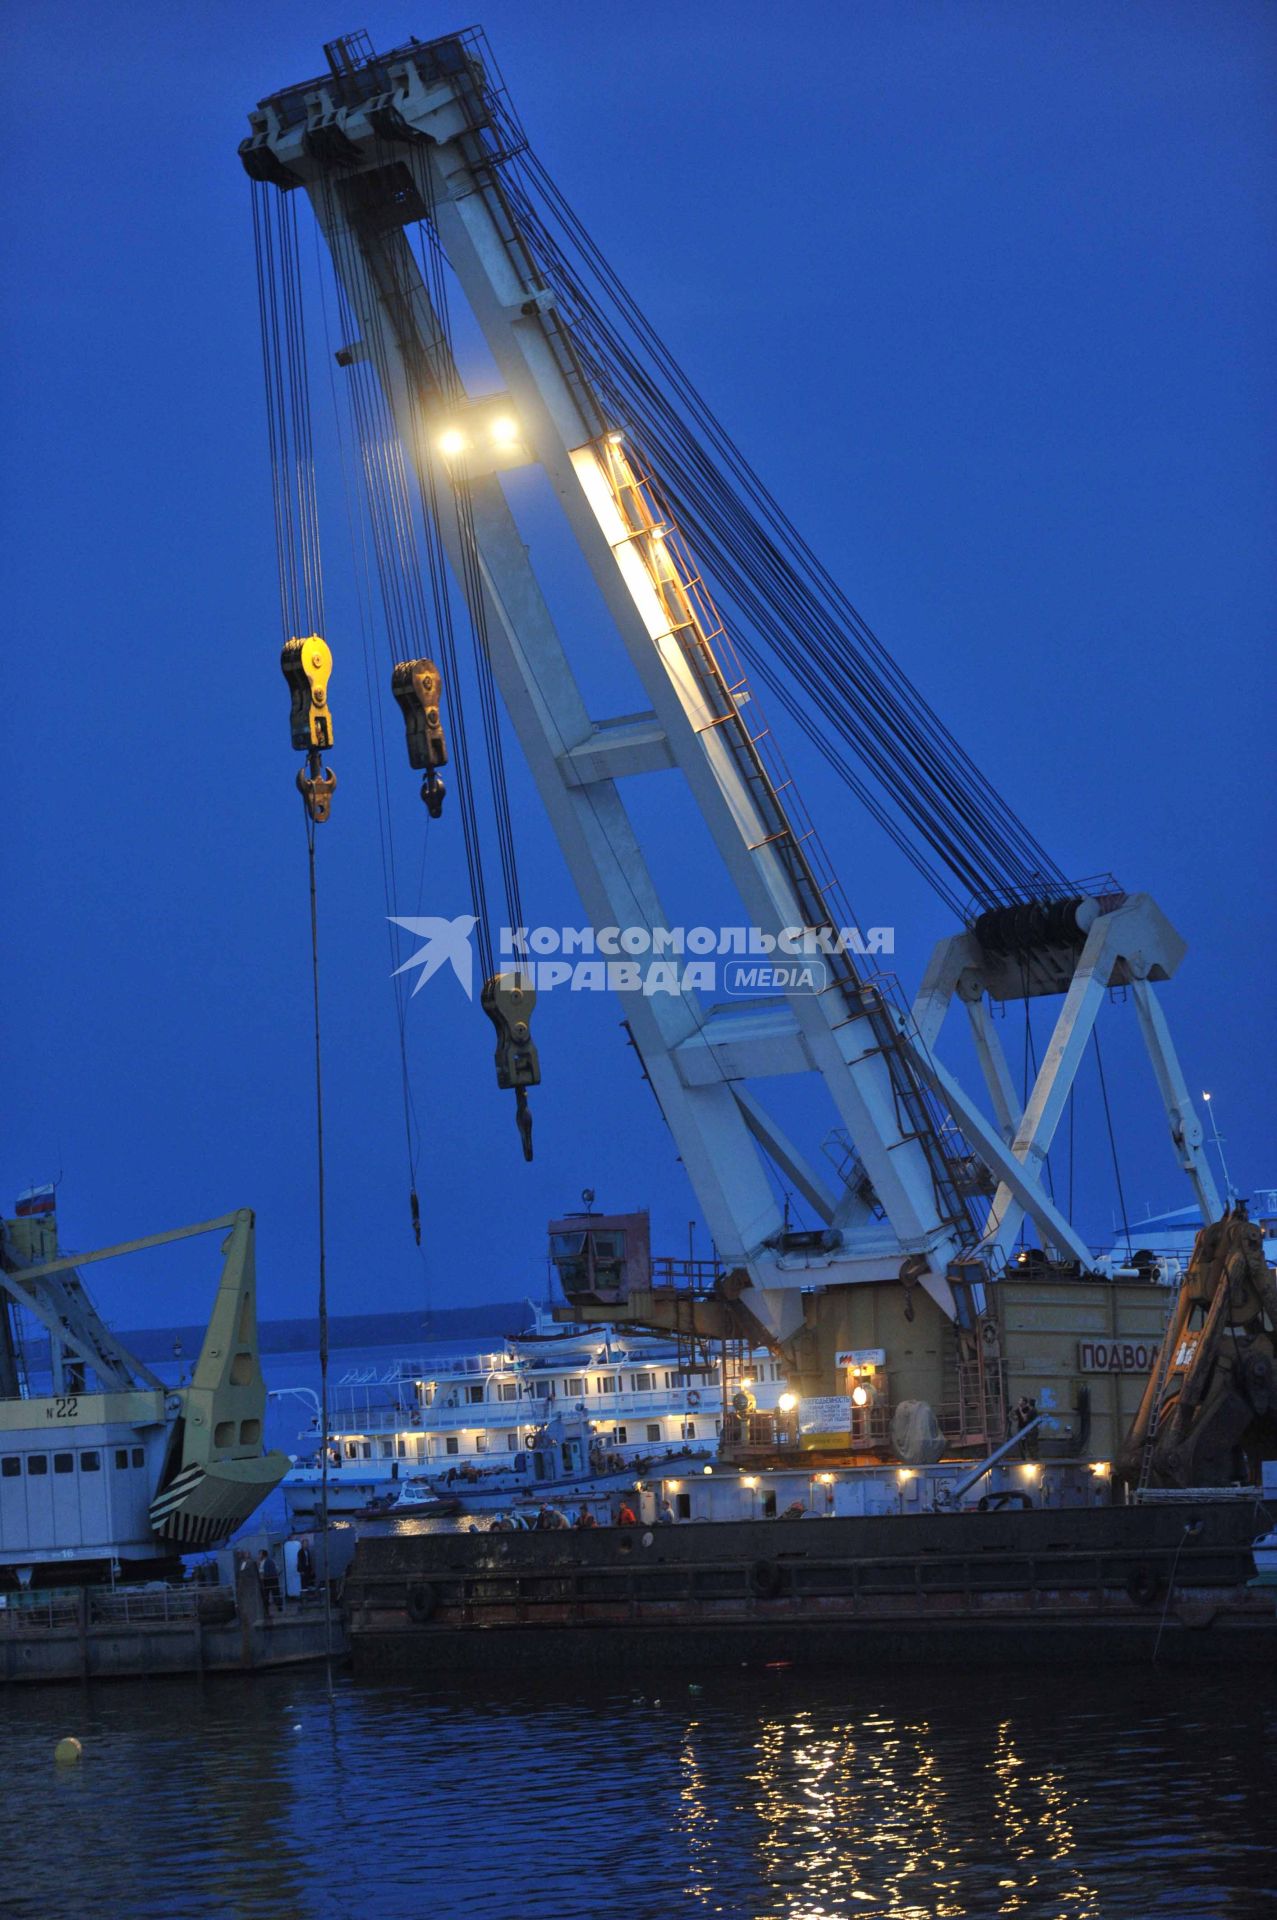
x=90, y=1460
x=580, y=1386
x=475, y=1440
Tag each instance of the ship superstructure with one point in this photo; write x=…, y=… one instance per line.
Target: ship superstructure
x=103, y=1467
x=577, y=1402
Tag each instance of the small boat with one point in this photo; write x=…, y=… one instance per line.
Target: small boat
x=1265, y=1552
x=418, y=1497
x=377, y=1508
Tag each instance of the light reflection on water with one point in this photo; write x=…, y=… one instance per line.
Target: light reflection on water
x=768, y=1796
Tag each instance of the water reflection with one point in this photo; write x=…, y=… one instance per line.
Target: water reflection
x=768, y=1795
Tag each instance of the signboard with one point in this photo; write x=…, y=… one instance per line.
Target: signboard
x=825, y=1413
x=862, y=1357
x=1116, y=1356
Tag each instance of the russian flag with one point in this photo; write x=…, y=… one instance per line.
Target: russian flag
x=37, y=1200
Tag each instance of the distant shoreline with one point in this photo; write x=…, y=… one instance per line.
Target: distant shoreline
x=404, y=1330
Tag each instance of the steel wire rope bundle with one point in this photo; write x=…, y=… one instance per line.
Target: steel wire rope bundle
x=431, y=378
x=924, y=1116
x=791, y=606
x=357, y=526
x=305, y=655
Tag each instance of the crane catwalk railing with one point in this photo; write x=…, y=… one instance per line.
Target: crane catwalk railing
x=695, y=627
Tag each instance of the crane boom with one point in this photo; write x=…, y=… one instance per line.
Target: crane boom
x=418, y=135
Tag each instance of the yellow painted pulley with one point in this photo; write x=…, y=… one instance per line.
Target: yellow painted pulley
x=307, y=665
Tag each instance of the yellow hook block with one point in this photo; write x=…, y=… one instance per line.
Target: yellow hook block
x=306, y=666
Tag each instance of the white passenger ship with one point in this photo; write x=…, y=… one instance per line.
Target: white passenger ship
x=555, y=1409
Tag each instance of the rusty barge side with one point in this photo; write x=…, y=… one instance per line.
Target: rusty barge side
x=1002, y=1588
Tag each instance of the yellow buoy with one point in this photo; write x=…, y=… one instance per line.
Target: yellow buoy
x=67, y=1751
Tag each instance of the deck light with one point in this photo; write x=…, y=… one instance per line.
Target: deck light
x=452, y=443
x=825, y=1479
x=707, y=1469
x=787, y=1402
x=747, y=1382
x=904, y=1475
x=859, y=1395
x=672, y=1486
x=1101, y=1469
x=1030, y=1469
x=504, y=430
x=616, y=439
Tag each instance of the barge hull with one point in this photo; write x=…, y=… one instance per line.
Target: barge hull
x=1110, y=1584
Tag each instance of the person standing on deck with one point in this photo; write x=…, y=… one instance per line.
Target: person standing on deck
x=268, y=1572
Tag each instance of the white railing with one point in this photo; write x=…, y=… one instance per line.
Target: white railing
x=670, y=1403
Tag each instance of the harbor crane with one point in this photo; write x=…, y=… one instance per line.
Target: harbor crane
x=420, y=145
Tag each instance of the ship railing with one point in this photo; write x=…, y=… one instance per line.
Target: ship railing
x=121, y=1606
x=127, y=1605
x=690, y=1274
x=28, y=1612
x=760, y=1432
x=603, y=1407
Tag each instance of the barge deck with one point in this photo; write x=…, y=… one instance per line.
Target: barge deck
x=93, y=1633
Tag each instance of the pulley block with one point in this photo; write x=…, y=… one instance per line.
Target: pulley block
x=508, y=1000
x=416, y=685
x=306, y=666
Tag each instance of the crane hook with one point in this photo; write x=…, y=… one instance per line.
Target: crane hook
x=316, y=785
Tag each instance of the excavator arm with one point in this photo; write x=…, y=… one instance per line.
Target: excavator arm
x=1213, y=1388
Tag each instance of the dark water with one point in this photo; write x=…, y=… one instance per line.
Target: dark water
x=769, y=1794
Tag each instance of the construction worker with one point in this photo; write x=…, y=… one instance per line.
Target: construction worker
x=1026, y=1411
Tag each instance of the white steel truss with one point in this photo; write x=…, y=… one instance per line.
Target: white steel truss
x=372, y=155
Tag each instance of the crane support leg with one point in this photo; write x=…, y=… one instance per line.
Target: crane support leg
x=1181, y=1114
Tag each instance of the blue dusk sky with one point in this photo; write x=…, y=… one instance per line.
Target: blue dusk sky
x=985, y=292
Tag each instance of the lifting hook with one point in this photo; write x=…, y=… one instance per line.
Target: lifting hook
x=316, y=785
x=306, y=665
x=508, y=1000
x=416, y=685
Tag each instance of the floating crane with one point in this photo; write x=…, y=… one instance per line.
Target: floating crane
x=697, y=568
